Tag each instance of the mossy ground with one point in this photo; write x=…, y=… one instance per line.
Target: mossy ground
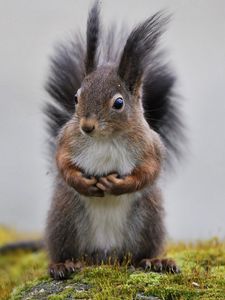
x=202, y=277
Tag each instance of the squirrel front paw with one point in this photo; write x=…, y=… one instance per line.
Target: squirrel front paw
x=87, y=186
x=114, y=185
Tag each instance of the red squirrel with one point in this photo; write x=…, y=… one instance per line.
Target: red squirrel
x=113, y=123
x=110, y=141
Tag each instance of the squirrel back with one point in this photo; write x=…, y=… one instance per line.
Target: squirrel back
x=137, y=63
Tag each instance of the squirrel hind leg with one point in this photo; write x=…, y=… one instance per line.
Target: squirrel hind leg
x=160, y=265
x=63, y=270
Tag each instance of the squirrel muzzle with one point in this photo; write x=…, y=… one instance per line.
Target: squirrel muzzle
x=88, y=125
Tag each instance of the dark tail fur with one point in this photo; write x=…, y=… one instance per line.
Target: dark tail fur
x=22, y=245
x=136, y=57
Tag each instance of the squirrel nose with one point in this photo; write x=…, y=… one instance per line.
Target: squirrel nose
x=87, y=125
x=87, y=129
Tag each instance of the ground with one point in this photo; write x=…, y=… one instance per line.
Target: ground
x=23, y=276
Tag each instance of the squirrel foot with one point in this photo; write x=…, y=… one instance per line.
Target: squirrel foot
x=61, y=271
x=160, y=265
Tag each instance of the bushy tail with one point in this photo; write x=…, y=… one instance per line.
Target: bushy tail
x=32, y=246
x=162, y=109
x=136, y=56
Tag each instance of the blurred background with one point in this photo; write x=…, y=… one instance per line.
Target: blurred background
x=195, y=40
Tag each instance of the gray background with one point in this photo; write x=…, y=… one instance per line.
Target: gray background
x=194, y=196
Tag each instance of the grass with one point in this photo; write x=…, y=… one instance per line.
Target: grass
x=202, y=277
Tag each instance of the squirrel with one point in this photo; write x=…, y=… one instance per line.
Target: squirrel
x=110, y=142
x=113, y=125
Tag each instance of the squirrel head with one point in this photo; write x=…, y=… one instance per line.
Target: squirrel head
x=109, y=99
x=104, y=105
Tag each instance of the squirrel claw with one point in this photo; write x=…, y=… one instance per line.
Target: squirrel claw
x=90, y=181
x=104, y=184
x=101, y=186
x=160, y=265
x=113, y=178
x=111, y=184
x=61, y=271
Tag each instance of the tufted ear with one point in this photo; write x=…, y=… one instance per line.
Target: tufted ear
x=92, y=35
x=137, y=51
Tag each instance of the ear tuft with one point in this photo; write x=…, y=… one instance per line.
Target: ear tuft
x=92, y=34
x=141, y=42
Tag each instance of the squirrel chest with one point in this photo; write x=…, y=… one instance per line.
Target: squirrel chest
x=101, y=157
x=107, y=216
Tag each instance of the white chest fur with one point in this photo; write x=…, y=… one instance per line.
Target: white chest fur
x=102, y=157
x=108, y=218
x=108, y=215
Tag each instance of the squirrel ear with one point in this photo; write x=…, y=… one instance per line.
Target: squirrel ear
x=138, y=49
x=92, y=35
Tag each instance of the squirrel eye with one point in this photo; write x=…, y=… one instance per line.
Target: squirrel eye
x=75, y=97
x=118, y=103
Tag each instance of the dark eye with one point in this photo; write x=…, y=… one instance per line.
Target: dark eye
x=75, y=98
x=118, y=103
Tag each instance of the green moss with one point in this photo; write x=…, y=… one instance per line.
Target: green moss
x=17, y=268
x=202, y=277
